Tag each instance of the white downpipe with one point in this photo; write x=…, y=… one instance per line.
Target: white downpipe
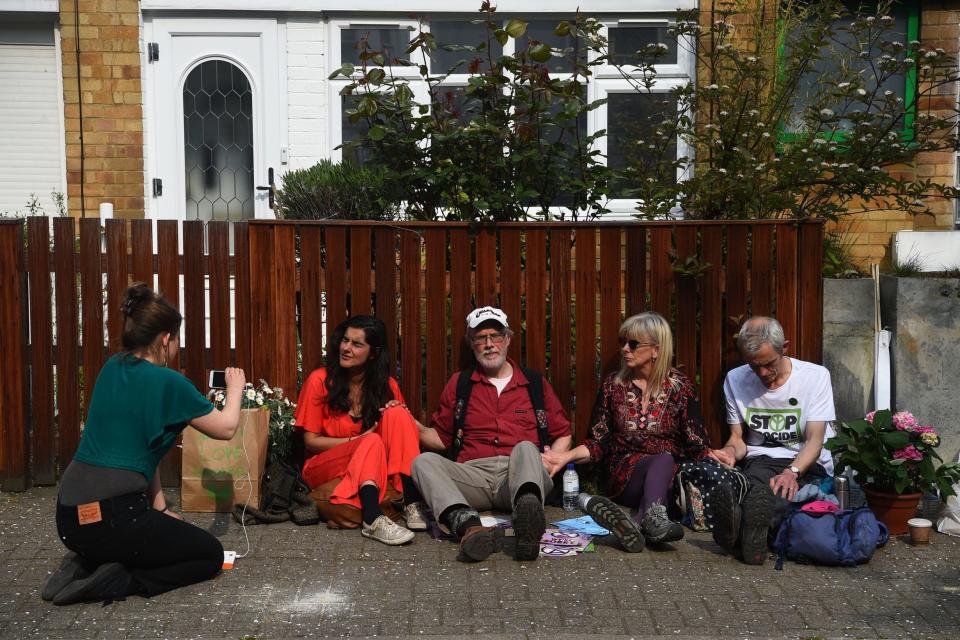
x=881, y=350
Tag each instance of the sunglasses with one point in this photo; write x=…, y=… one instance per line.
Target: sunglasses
x=635, y=344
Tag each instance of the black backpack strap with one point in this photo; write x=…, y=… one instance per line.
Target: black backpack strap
x=535, y=389
x=464, y=389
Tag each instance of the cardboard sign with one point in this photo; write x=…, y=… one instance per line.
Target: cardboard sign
x=217, y=474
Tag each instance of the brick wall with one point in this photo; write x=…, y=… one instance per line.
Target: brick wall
x=112, y=99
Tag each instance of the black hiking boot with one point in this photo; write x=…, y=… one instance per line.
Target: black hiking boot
x=608, y=515
x=726, y=517
x=658, y=528
x=529, y=524
x=758, y=506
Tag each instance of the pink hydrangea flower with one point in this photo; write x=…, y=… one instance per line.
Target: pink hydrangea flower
x=869, y=417
x=908, y=453
x=930, y=438
x=925, y=430
x=904, y=421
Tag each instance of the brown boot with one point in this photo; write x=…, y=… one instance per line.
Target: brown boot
x=478, y=543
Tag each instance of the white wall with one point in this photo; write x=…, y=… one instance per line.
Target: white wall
x=307, y=71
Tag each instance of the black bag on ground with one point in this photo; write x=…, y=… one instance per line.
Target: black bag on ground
x=284, y=496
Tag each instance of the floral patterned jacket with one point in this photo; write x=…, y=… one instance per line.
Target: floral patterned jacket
x=621, y=435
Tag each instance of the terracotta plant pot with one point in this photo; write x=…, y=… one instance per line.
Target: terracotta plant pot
x=893, y=509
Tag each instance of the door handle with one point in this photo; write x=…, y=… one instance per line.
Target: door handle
x=270, y=187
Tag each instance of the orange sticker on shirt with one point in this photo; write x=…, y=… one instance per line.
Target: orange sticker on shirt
x=89, y=513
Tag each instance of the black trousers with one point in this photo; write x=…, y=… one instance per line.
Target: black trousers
x=160, y=552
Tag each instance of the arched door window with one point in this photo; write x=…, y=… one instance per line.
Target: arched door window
x=218, y=142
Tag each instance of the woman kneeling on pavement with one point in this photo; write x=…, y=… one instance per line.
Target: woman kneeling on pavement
x=358, y=432
x=111, y=512
x=645, y=421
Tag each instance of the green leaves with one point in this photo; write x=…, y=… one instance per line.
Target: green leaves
x=515, y=28
x=539, y=53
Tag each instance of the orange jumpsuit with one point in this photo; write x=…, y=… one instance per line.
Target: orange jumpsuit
x=381, y=454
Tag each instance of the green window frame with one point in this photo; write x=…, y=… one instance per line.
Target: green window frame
x=910, y=82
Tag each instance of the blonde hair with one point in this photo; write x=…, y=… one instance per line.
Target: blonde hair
x=649, y=326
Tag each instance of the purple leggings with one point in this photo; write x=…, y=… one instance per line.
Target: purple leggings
x=649, y=484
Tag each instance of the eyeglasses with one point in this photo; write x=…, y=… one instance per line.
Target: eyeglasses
x=635, y=344
x=481, y=340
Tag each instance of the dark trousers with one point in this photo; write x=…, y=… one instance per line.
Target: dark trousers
x=649, y=484
x=759, y=470
x=160, y=552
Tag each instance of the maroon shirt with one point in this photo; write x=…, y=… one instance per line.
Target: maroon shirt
x=494, y=425
x=621, y=435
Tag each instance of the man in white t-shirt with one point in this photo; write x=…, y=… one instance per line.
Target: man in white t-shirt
x=779, y=410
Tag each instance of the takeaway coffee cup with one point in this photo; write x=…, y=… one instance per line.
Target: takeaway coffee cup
x=919, y=531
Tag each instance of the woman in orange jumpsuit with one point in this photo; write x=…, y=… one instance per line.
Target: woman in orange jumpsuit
x=358, y=429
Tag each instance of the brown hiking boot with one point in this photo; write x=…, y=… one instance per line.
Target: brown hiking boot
x=478, y=543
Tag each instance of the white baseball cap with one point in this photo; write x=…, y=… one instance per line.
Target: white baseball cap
x=478, y=316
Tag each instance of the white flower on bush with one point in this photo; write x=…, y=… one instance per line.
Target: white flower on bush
x=250, y=394
x=861, y=92
x=826, y=113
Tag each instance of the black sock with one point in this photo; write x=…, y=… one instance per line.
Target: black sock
x=410, y=492
x=370, y=503
x=459, y=518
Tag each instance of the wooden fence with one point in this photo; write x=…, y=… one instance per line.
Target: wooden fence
x=565, y=287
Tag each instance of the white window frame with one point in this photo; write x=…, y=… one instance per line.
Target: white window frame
x=606, y=80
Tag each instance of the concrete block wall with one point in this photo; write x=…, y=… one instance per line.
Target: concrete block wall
x=112, y=99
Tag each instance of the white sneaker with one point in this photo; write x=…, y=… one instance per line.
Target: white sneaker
x=386, y=531
x=413, y=514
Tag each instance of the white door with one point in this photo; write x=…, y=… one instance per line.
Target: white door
x=213, y=117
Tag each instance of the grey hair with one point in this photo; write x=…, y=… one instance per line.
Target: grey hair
x=756, y=332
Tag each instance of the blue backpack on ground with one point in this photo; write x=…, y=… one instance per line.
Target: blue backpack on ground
x=841, y=538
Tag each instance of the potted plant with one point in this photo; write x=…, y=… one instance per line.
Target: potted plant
x=281, y=409
x=895, y=459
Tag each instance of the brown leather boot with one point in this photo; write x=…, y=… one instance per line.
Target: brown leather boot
x=478, y=543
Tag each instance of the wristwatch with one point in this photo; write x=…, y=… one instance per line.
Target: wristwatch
x=795, y=469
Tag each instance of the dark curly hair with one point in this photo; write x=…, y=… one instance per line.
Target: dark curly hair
x=376, y=375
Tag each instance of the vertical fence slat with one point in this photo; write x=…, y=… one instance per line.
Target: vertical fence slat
x=436, y=298
x=761, y=271
x=360, y=270
x=810, y=258
x=585, y=279
x=243, y=353
x=661, y=275
x=284, y=275
x=218, y=251
x=736, y=281
x=116, y=279
x=486, y=268
x=685, y=328
x=261, y=242
x=636, y=276
x=92, y=304
x=311, y=312
x=560, y=327
x=786, y=281
x=386, y=283
x=141, y=253
x=335, y=276
x=711, y=334
x=411, y=344
x=14, y=448
x=535, y=286
x=67, y=301
x=461, y=270
x=168, y=279
x=41, y=346
x=194, y=307
x=610, y=290
x=511, y=281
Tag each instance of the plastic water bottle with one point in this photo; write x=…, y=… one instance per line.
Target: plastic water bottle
x=571, y=488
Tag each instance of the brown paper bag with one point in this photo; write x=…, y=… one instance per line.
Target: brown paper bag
x=217, y=474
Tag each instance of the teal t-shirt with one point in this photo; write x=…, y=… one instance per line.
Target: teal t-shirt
x=136, y=412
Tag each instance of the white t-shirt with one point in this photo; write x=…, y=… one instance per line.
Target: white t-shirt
x=775, y=418
x=500, y=383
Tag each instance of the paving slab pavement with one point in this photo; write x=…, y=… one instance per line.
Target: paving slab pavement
x=314, y=582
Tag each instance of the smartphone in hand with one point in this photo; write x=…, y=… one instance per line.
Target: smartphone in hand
x=218, y=379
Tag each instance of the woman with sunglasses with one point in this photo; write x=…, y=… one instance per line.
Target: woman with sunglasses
x=646, y=420
x=358, y=433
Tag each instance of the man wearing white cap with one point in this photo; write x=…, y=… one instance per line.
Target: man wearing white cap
x=493, y=421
